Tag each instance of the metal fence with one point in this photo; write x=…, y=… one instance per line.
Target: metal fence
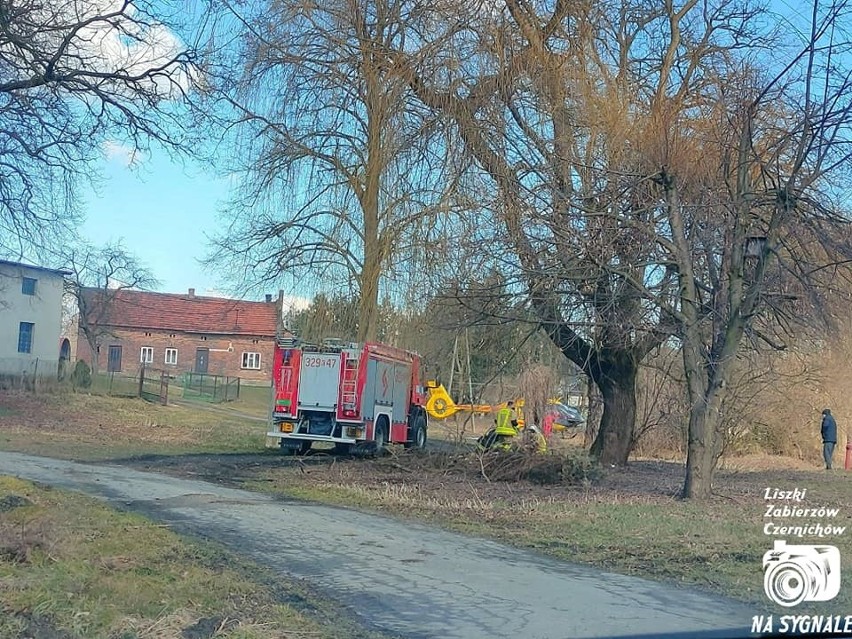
x=117, y=384
x=210, y=388
x=148, y=383
x=30, y=374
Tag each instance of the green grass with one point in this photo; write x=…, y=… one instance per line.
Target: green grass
x=716, y=545
x=93, y=427
x=254, y=400
x=71, y=564
x=112, y=384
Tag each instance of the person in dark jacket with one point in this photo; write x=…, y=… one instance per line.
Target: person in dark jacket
x=829, y=437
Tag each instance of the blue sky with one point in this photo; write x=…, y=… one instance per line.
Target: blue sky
x=161, y=210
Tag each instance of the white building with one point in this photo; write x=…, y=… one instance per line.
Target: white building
x=30, y=318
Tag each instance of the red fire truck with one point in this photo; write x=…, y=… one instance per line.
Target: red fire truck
x=364, y=395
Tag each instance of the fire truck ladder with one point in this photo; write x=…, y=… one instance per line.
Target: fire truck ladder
x=349, y=387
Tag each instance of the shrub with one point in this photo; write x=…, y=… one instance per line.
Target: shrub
x=82, y=375
x=579, y=468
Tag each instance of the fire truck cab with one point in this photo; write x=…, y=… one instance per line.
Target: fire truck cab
x=362, y=395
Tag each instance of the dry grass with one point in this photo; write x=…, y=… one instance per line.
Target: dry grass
x=629, y=521
x=81, y=426
x=74, y=568
x=760, y=462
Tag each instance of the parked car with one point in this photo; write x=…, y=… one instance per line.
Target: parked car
x=566, y=417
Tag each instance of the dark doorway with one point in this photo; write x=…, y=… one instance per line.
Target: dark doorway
x=114, y=359
x=202, y=356
x=65, y=349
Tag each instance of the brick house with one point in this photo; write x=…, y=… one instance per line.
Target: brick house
x=180, y=333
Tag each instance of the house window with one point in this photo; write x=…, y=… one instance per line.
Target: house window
x=25, y=337
x=251, y=361
x=171, y=356
x=28, y=286
x=146, y=355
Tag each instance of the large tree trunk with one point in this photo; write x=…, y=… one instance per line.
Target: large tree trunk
x=706, y=390
x=368, y=303
x=617, y=384
x=373, y=264
x=701, y=453
x=705, y=445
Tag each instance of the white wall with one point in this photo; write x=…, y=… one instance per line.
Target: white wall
x=44, y=309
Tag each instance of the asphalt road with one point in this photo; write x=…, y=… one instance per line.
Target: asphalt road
x=402, y=578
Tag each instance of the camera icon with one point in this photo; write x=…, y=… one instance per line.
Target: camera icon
x=793, y=574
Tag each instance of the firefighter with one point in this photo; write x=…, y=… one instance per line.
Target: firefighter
x=506, y=425
x=534, y=440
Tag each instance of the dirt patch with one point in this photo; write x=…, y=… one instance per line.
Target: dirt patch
x=19, y=541
x=446, y=474
x=227, y=469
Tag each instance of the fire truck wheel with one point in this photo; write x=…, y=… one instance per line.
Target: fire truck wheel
x=342, y=449
x=381, y=437
x=418, y=433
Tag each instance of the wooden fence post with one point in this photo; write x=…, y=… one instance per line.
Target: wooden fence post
x=164, y=388
x=141, y=379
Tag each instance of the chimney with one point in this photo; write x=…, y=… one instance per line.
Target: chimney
x=191, y=293
x=268, y=298
x=280, y=295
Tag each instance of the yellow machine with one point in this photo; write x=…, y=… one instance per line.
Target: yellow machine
x=440, y=405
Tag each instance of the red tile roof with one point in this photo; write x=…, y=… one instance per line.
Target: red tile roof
x=175, y=312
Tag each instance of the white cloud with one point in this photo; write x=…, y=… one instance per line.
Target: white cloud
x=114, y=38
x=123, y=154
x=134, y=45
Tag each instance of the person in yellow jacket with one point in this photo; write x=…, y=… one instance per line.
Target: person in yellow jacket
x=506, y=425
x=534, y=440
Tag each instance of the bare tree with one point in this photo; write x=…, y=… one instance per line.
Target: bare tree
x=76, y=73
x=561, y=107
x=98, y=275
x=779, y=241
x=343, y=178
